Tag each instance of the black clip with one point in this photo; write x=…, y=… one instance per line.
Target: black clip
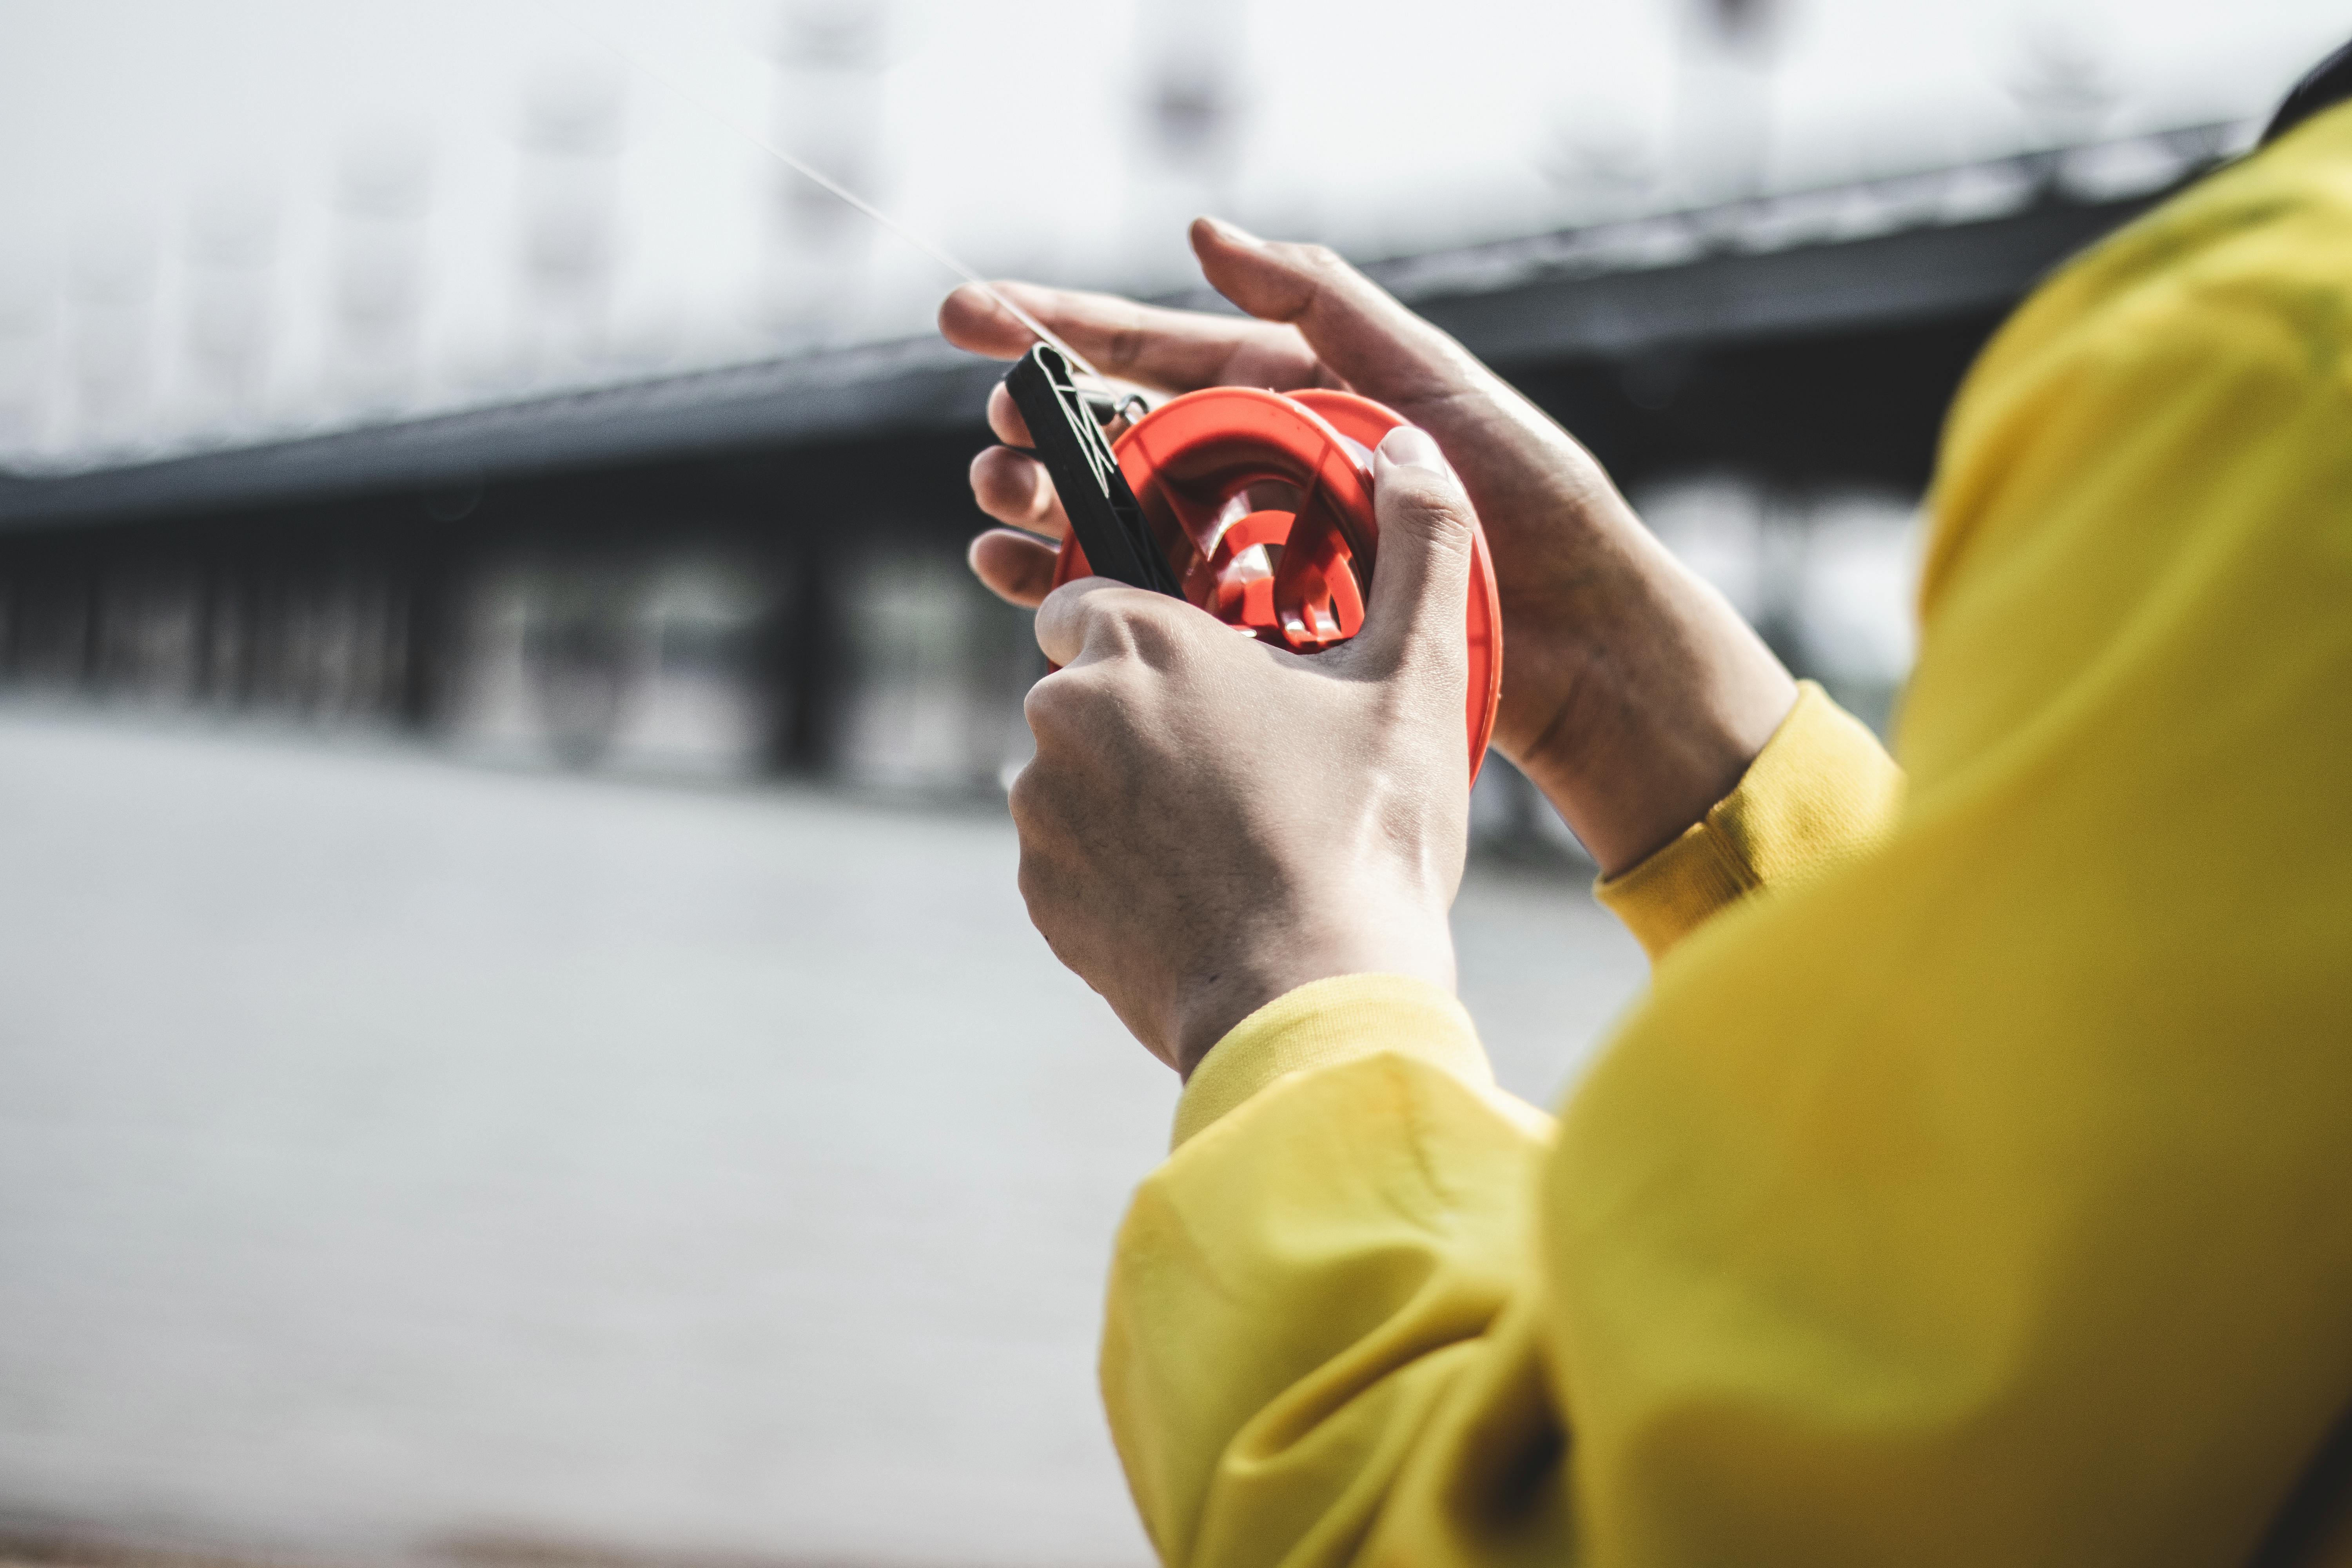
x=1103, y=512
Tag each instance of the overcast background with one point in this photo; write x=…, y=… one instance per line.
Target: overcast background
x=258, y=216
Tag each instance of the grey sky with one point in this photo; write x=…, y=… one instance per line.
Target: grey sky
x=125, y=121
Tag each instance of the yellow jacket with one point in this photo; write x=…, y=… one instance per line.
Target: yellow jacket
x=1974, y=1185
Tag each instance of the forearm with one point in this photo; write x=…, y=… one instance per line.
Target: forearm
x=1660, y=704
x=1634, y=694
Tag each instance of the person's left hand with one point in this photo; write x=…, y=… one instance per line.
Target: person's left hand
x=1210, y=821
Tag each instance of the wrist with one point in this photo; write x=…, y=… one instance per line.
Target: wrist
x=1220, y=992
x=1658, y=697
x=1630, y=772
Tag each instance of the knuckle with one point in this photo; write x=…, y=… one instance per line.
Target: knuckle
x=1310, y=269
x=1041, y=892
x=1321, y=259
x=1434, y=510
x=1171, y=624
x=1022, y=800
x=1047, y=707
x=1125, y=629
x=1065, y=704
x=1117, y=624
x=1153, y=631
x=1127, y=345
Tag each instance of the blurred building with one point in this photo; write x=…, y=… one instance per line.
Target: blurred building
x=829, y=56
x=383, y=189
x=571, y=144
x=759, y=568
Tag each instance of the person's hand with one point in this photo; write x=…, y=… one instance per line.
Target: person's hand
x=1210, y=821
x=1633, y=694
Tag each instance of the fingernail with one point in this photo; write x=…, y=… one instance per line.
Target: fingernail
x=1409, y=447
x=1234, y=233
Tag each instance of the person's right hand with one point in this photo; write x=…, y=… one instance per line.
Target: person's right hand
x=1633, y=694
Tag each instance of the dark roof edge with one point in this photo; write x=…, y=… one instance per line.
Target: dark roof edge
x=846, y=393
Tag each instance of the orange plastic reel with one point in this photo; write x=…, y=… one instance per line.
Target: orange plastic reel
x=1262, y=502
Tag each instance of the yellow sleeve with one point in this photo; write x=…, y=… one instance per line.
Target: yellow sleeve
x=1980, y=1200
x=1311, y=1291
x=1984, y=1201
x=1822, y=790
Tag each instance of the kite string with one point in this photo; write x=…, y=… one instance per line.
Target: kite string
x=936, y=252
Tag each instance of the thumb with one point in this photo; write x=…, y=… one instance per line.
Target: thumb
x=1419, y=607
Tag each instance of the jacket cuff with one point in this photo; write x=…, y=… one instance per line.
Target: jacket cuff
x=1326, y=1021
x=1821, y=789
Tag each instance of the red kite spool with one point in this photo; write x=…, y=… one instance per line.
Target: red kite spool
x=1262, y=503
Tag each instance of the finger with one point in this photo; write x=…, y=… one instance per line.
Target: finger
x=1007, y=425
x=1354, y=326
x=1420, y=599
x=1015, y=489
x=1004, y=420
x=1093, y=613
x=1152, y=345
x=1016, y=567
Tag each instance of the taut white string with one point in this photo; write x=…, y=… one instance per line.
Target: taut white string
x=823, y=182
